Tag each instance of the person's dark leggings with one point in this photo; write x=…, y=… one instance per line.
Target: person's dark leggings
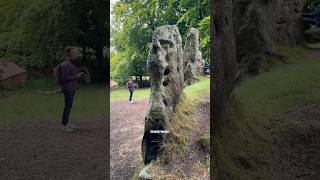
x=131, y=93
x=68, y=101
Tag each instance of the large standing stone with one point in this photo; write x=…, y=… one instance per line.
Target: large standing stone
x=244, y=34
x=261, y=24
x=192, y=57
x=165, y=67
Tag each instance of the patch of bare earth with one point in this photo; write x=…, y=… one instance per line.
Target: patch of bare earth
x=296, y=153
x=193, y=163
x=126, y=132
x=41, y=151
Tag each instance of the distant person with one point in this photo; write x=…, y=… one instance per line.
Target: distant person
x=68, y=83
x=131, y=86
x=312, y=18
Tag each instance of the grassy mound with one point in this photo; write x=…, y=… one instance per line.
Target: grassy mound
x=179, y=137
x=258, y=111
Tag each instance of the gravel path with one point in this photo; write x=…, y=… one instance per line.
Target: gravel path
x=127, y=127
x=41, y=151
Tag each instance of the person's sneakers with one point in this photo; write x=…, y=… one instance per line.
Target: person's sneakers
x=71, y=125
x=66, y=128
x=131, y=102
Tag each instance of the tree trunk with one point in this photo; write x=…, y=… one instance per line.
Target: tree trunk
x=84, y=49
x=100, y=65
x=224, y=68
x=223, y=56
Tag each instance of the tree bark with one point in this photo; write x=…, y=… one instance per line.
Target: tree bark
x=223, y=58
x=84, y=54
x=223, y=74
x=100, y=65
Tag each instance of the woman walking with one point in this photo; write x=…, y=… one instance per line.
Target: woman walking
x=131, y=86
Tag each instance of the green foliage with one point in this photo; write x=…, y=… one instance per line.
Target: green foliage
x=29, y=31
x=121, y=67
x=114, y=61
x=134, y=22
x=34, y=32
x=204, y=30
x=312, y=5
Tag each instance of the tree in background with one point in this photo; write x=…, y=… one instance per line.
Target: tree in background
x=34, y=32
x=312, y=5
x=135, y=21
x=31, y=32
x=94, y=27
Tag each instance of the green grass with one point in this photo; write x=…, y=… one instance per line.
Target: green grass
x=184, y=116
x=282, y=88
x=258, y=111
x=137, y=169
x=37, y=101
x=205, y=141
x=313, y=45
x=198, y=89
x=123, y=94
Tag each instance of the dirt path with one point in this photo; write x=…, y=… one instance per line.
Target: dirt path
x=127, y=126
x=41, y=151
x=296, y=152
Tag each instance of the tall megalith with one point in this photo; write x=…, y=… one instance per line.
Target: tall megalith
x=165, y=67
x=192, y=57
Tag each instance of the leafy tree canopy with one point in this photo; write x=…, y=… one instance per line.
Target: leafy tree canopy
x=34, y=32
x=312, y=5
x=134, y=22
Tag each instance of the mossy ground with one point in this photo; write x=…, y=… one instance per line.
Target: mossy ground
x=258, y=110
